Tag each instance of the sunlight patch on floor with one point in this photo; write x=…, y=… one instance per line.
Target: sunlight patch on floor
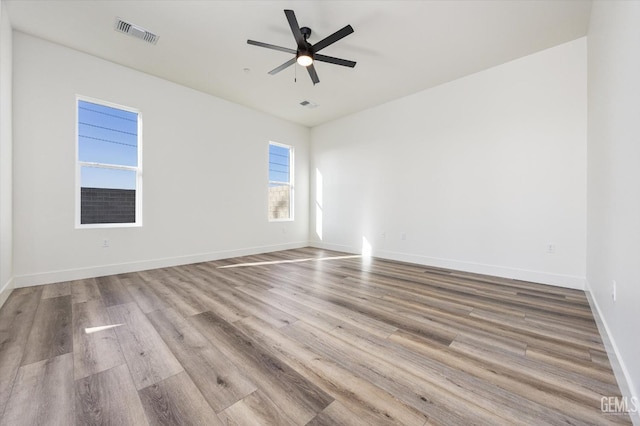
x=276, y=262
x=90, y=330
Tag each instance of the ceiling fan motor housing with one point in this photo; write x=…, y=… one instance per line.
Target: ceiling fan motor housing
x=306, y=32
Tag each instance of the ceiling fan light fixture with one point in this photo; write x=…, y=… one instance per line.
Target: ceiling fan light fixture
x=304, y=59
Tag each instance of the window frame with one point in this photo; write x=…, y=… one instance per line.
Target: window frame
x=290, y=183
x=80, y=164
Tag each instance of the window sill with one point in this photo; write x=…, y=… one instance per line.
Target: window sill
x=108, y=225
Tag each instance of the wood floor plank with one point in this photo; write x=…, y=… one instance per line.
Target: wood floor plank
x=51, y=333
x=519, y=333
x=358, y=394
x=95, y=345
x=492, y=343
x=568, y=324
x=177, y=401
x=112, y=290
x=543, y=336
x=85, y=290
x=148, y=357
x=340, y=313
x=219, y=380
x=142, y=293
x=208, y=291
x=16, y=318
x=546, y=328
x=210, y=274
x=312, y=316
x=337, y=414
x=582, y=367
x=438, y=288
x=42, y=394
x=257, y=276
x=255, y=307
x=182, y=288
x=56, y=290
x=298, y=397
x=430, y=328
x=168, y=290
x=533, y=387
x=233, y=305
x=430, y=392
x=108, y=397
x=600, y=357
x=9, y=364
x=479, y=384
x=497, y=294
x=255, y=409
x=586, y=390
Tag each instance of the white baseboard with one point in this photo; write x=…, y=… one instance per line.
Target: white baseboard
x=27, y=280
x=122, y=268
x=558, y=280
x=5, y=291
x=617, y=363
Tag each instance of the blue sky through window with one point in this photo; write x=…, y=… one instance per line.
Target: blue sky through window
x=107, y=135
x=279, y=161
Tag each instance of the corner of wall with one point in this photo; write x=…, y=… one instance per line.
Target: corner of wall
x=6, y=156
x=612, y=214
x=623, y=377
x=5, y=291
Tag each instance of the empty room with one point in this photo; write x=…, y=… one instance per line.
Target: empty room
x=320, y=212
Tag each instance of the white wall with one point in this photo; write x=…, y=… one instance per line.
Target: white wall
x=6, y=227
x=204, y=163
x=480, y=174
x=613, y=179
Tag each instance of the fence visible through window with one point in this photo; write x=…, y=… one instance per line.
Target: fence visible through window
x=280, y=205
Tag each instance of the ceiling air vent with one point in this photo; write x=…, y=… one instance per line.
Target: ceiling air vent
x=135, y=31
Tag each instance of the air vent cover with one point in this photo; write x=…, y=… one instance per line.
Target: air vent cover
x=135, y=31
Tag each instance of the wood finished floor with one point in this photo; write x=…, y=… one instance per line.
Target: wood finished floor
x=301, y=337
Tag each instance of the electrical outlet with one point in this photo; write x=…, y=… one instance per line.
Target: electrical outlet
x=551, y=248
x=614, y=291
x=105, y=243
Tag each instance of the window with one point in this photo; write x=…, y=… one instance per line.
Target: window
x=108, y=171
x=280, y=182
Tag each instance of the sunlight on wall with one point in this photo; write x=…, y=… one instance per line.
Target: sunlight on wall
x=366, y=248
x=319, y=204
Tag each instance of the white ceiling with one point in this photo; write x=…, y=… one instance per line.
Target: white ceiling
x=400, y=47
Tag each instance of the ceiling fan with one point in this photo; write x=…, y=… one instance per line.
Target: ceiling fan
x=307, y=54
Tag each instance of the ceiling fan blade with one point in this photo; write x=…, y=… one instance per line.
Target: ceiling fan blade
x=332, y=38
x=283, y=66
x=295, y=28
x=332, y=60
x=271, y=46
x=313, y=74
